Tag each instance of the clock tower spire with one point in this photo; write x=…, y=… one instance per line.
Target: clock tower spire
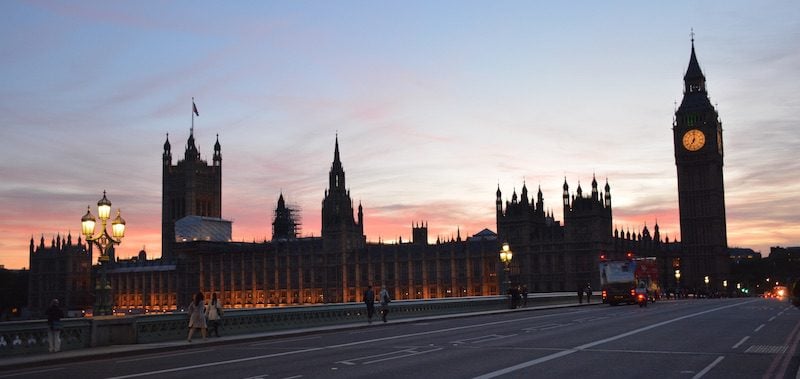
x=697, y=140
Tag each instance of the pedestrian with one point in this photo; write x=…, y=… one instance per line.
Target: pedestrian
x=369, y=300
x=580, y=294
x=385, y=299
x=214, y=314
x=524, y=296
x=54, y=315
x=588, y=293
x=514, y=297
x=197, y=316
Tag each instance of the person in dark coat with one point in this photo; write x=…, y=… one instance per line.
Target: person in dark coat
x=588, y=293
x=54, y=315
x=524, y=296
x=580, y=294
x=369, y=300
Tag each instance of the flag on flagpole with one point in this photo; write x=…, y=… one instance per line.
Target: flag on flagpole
x=194, y=109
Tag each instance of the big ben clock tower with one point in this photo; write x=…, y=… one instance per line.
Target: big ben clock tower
x=697, y=137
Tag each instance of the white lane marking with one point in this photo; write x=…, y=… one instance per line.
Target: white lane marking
x=772, y=318
x=626, y=351
x=741, y=341
x=293, y=377
x=708, y=368
x=410, y=354
x=480, y=339
x=362, y=342
x=30, y=372
x=759, y=328
x=376, y=358
x=545, y=326
x=281, y=341
x=257, y=376
x=598, y=342
x=163, y=356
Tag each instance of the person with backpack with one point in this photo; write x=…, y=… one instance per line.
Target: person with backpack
x=385, y=299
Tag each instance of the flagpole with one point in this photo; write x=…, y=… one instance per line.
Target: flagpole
x=191, y=131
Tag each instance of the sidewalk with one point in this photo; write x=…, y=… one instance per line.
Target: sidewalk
x=105, y=352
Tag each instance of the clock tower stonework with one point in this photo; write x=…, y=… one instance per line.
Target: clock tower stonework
x=697, y=137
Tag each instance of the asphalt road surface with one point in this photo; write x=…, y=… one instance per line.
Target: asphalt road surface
x=708, y=338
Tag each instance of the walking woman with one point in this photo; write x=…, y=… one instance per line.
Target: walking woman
x=197, y=316
x=214, y=314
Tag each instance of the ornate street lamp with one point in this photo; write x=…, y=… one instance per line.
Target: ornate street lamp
x=706, y=280
x=677, y=283
x=505, y=256
x=104, y=242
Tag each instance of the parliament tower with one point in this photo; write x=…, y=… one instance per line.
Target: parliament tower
x=697, y=138
x=189, y=188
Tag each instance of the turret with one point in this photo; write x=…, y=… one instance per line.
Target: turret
x=360, y=215
x=565, y=195
x=608, y=194
x=524, y=198
x=217, y=153
x=540, y=200
x=499, y=202
x=191, y=154
x=167, y=156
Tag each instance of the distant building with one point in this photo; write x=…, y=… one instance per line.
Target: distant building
x=192, y=187
x=549, y=256
x=60, y=271
x=738, y=254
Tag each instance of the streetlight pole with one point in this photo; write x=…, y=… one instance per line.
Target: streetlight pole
x=505, y=256
x=103, y=302
x=677, y=283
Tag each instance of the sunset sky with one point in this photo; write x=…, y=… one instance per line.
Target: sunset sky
x=435, y=103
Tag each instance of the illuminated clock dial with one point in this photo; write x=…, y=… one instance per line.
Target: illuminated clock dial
x=693, y=140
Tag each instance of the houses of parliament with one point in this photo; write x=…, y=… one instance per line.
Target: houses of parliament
x=338, y=265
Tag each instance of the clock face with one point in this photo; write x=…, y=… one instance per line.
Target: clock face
x=693, y=140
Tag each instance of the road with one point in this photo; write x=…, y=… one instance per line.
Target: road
x=708, y=338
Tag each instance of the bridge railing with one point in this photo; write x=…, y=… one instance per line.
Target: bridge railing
x=26, y=337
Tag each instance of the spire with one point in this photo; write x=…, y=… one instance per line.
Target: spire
x=336, y=150
x=694, y=80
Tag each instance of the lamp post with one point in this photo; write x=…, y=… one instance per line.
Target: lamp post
x=505, y=257
x=104, y=242
x=706, y=280
x=677, y=283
